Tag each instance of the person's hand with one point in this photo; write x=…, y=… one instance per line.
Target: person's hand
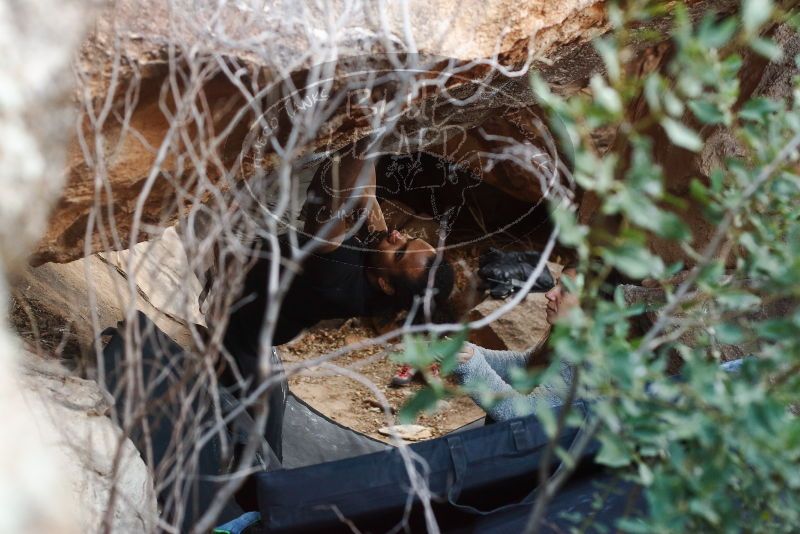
x=465, y=354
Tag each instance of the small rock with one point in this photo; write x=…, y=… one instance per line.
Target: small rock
x=352, y=339
x=407, y=432
x=376, y=406
x=443, y=405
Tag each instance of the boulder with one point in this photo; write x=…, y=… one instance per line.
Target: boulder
x=142, y=164
x=63, y=308
x=757, y=77
x=141, y=171
x=37, y=82
x=163, y=275
x=520, y=329
x=654, y=299
x=107, y=478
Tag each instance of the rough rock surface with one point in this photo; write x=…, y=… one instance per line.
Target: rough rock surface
x=68, y=305
x=163, y=276
x=131, y=165
x=125, y=156
x=70, y=418
x=36, y=82
x=654, y=299
x=680, y=166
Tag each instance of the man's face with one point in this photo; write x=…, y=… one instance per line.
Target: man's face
x=559, y=300
x=397, y=255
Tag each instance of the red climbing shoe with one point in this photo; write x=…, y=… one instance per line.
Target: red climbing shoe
x=406, y=374
x=403, y=377
x=433, y=370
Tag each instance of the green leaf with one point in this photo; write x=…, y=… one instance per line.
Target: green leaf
x=759, y=109
x=608, y=51
x=635, y=261
x=767, y=48
x=634, y=526
x=714, y=35
x=706, y=112
x=645, y=474
x=717, y=179
x=704, y=509
x=729, y=334
x=424, y=400
x=570, y=232
x=445, y=351
x=755, y=13
x=612, y=453
x=698, y=191
x=421, y=352
x=605, y=96
x=738, y=300
x=652, y=92
x=711, y=273
x=525, y=380
x=682, y=135
x=668, y=225
x=415, y=352
x=545, y=414
x=672, y=103
x=565, y=457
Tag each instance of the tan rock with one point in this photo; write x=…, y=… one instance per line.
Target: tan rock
x=134, y=168
x=71, y=419
x=68, y=305
x=163, y=274
x=520, y=329
x=407, y=432
x=137, y=169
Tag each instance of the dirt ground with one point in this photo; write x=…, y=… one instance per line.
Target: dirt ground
x=351, y=403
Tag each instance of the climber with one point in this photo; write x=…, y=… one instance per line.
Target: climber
x=357, y=268
x=488, y=373
x=494, y=368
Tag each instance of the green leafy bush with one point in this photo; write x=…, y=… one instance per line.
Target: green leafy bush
x=713, y=451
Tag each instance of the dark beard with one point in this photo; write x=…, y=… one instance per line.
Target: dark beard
x=370, y=246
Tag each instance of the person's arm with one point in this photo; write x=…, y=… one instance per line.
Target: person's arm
x=348, y=192
x=497, y=397
x=501, y=361
x=375, y=219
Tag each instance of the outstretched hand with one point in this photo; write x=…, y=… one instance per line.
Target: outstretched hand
x=465, y=354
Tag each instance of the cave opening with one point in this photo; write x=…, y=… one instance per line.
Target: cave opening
x=432, y=196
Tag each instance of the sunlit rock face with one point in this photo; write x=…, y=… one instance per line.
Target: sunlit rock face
x=71, y=419
x=169, y=102
x=130, y=162
x=43, y=490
